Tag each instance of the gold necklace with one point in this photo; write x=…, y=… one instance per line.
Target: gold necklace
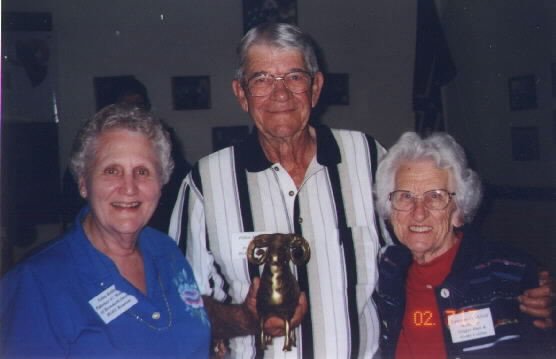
x=156, y=315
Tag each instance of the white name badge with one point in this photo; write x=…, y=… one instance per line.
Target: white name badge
x=111, y=303
x=240, y=242
x=471, y=325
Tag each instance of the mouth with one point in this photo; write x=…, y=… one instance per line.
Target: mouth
x=280, y=109
x=420, y=229
x=126, y=205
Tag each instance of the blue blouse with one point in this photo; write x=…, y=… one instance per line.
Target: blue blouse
x=69, y=300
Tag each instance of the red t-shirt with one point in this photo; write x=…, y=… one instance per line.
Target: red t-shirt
x=422, y=331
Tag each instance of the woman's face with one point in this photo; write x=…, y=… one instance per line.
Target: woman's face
x=122, y=184
x=427, y=233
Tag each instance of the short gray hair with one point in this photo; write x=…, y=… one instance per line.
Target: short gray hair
x=446, y=154
x=280, y=36
x=121, y=116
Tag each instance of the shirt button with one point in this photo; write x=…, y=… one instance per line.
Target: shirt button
x=444, y=293
x=291, y=193
x=276, y=168
x=300, y=220
x=156, y=315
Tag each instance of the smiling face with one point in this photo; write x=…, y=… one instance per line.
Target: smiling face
x=282, y=114
x=122, y=186
x=427, y=233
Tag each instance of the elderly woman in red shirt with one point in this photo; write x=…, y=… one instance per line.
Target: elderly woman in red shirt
x=445, y=293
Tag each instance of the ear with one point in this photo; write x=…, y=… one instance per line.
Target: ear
x=457, y=219
x=240, y=94
x=82, y=188
x=316, y=88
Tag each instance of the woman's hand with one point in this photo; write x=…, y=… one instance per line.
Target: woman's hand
x=538, y=302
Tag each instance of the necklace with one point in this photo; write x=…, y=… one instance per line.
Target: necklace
x=156, y=315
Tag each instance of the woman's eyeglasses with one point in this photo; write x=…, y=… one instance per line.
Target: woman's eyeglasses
x=436, y=199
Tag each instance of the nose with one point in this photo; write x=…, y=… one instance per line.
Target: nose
x=419, y=212
x=279, y=90
x=129, y=185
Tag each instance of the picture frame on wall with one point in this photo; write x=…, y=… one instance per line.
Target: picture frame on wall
x=191, y=92
x=29, y=73
x=522, y=92
x=256, y=12
x=113, y=89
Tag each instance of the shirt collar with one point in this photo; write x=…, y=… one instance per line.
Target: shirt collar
x=96, y=268
x=93, y=265
x=251, y=156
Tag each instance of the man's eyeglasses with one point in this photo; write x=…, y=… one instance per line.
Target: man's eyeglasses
x=263, y=83
x=436, y=199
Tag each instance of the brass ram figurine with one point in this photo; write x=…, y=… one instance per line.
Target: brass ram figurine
x=279, y=292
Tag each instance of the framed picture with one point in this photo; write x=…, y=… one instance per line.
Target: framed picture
x=124, y=88
x=335, y=90
x=256, y=12
x=28, y=69
x=228, y=136
x=525, y=143
x=523, y=92
x=191, y=92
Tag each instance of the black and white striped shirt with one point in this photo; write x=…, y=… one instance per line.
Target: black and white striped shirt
x=237, y=190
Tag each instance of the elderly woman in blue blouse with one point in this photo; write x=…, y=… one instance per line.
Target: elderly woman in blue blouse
x=110, y=286
x=444, y=293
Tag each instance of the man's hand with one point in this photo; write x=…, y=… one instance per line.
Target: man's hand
x=274, y=326
x=233, y=320
x=250, y=303
x=538, y=302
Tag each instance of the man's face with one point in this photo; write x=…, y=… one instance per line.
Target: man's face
x=281, y=114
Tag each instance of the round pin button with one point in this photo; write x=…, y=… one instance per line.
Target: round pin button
x=444, y=293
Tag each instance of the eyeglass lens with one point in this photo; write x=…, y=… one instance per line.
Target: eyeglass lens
x=263, y=84
x=435, y=199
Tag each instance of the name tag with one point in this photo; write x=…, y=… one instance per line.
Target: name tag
x=240, y=242
x=111, y=303
x=471, y=325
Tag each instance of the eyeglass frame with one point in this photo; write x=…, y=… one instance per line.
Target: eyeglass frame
x=278, y=77
x=415, y=197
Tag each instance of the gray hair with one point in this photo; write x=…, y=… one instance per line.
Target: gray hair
x=280, y=36
x=446, y=154
x=121, y=116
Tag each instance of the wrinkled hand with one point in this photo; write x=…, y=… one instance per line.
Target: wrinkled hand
x=274, y=326
x=538, y=302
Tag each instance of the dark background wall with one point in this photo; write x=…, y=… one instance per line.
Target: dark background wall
x=371, y=41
